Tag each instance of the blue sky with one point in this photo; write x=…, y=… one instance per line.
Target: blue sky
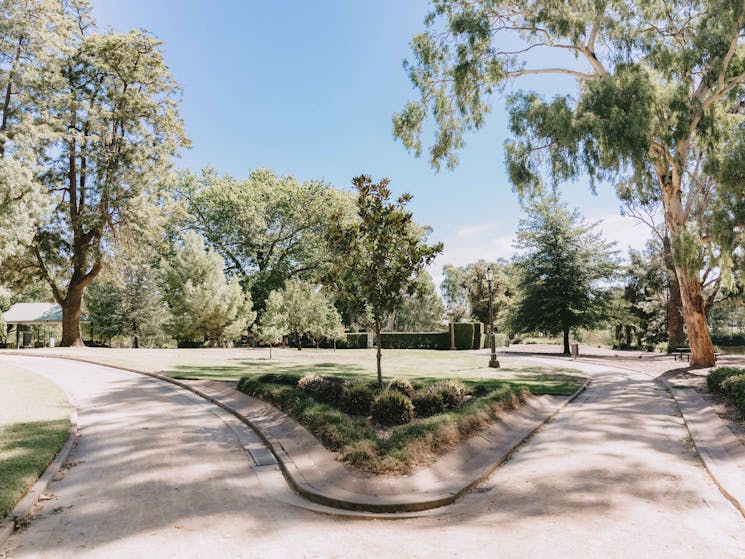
x=308, y=89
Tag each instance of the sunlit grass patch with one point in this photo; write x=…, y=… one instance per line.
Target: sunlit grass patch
x=34, y=422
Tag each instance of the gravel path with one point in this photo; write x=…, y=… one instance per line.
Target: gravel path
x=158, y=473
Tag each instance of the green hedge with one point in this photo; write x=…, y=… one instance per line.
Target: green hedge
x=478, y=335
x=353, y=340
x=731, y=382
x=728, y=340
x=415, y=340
x=463, y=335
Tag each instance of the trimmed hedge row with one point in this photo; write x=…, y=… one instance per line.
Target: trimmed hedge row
x=463, y=335
x=478, y=335
x=415, y=340
x=353, y=340
x=728, y=340
x=468, y=335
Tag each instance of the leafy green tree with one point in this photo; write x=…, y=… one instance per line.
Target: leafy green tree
x=300, y=309
x=29, y=33
x=204, y=304
x=377, y=256
x=422, y=311
x=133, y=307
x=455, y=292
x=641, y=315
x=659, y=105
x=561, y=272
x=469, y=284
x=268, y=228
x=109, y=104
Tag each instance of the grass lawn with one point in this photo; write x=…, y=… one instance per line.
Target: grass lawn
x=34, y=421
x=359, y=441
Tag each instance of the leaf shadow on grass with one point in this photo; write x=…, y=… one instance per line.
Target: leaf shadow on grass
x=235, y=372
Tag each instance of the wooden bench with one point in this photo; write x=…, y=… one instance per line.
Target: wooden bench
x=679, y=352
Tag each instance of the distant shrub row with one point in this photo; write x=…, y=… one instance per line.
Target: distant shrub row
x=728, y=340
x=468, y=335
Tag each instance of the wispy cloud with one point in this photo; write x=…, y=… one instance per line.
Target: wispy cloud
x=482, y=242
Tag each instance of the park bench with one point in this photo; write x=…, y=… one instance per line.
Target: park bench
x=679, y=352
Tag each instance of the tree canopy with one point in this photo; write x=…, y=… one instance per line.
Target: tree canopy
x=659, y=107
x=562, y=273
x=108, y=107
x=300, y=309
x=420, y=311
x=268, y=228
x=378, y=255
x=205, y=305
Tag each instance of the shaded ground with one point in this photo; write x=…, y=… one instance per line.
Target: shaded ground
x=677, y=373
x=158, y=474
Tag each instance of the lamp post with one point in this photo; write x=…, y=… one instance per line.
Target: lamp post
x=492, y=340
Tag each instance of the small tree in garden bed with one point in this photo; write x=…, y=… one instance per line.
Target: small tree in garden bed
x=378, y=256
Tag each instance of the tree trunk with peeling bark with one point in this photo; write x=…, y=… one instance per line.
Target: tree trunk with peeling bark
x=675, y=331
x=691, y=291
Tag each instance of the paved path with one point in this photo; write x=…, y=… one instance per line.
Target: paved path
x=159, y=473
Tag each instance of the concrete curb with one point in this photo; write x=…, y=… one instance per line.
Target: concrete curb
x=721, y=453
x=344, y=499
x=22, y=510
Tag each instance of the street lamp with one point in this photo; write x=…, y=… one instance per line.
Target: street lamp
x=492, y=339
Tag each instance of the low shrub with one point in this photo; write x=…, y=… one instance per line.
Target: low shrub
x=452, y=392
x=328, y=390
x=280, y=378
x=720, y=374
x=358, y=398
x=310, y=383
x=403, y=386
x=734, y=386
x=428, y=403
x=390, y=407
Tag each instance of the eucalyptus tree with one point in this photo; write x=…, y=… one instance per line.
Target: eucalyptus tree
x=110, y=104
x=267, y=227
x=661, y=88
x=377, y=255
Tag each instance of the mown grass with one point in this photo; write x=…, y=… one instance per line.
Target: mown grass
x=401, y=449
x=34, y=422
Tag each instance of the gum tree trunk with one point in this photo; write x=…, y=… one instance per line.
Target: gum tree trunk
x=694, y=311
x=685, y=261
x=675, y=332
